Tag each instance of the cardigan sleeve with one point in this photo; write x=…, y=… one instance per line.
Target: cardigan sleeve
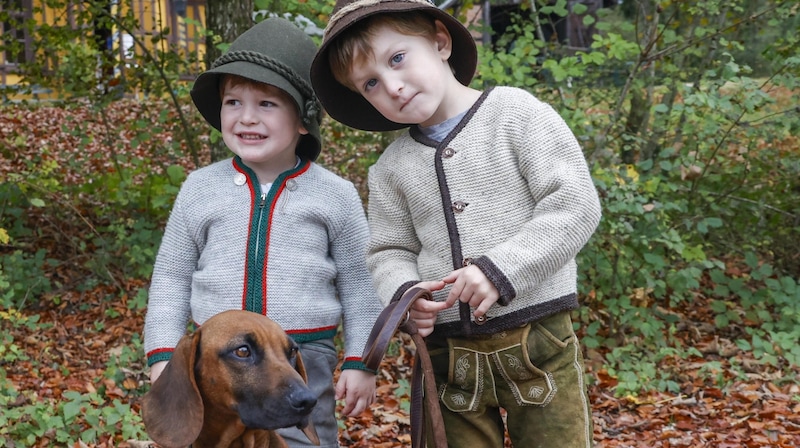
x=360, y=305
x=168, y=306
x=393, y=246
x=566, y=206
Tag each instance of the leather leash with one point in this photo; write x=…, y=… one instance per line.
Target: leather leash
x=423, y=386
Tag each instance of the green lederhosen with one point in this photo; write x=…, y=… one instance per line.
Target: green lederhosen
x=534, y=372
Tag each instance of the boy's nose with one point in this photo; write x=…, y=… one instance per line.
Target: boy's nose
x=394, y=86
x=248, y=115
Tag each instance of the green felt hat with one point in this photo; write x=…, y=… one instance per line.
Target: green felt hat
x=349, y=107
x=274, y=52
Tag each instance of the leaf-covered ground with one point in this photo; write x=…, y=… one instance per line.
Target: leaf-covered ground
x=726, y=399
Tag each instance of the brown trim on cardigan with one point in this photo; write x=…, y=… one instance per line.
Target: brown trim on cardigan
x=510, y=321
x=464, y=312
x=498, y=279
x=402, y=290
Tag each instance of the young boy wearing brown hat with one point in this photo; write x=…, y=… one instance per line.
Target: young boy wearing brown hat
x=269, y=230
x=487, y=192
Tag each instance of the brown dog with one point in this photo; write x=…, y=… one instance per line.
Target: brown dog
x=230, y=384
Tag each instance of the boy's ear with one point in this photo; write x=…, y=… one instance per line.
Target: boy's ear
x=444, y=42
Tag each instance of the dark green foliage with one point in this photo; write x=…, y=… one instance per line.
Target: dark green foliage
x=694, y=153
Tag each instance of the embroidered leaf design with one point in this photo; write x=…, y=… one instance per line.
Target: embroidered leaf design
x=519, y=368
x=462, y=366
x=535, y=392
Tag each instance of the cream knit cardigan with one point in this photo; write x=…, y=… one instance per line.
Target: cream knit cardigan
x=507, y=190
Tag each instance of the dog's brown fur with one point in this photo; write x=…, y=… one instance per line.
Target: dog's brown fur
x=230, y=384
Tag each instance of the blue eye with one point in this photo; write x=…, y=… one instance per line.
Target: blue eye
x=370, y=84
x=396, y=59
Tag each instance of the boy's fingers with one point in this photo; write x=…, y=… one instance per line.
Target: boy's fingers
x=483, y=308
x=433, y=285
x=429, y=306
x=451, y=277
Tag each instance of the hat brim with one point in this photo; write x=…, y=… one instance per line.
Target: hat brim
x=349, y=107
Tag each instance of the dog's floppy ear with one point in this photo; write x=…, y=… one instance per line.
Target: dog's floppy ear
x=309, y=430
x=172, y=409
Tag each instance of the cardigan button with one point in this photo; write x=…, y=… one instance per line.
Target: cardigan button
x=448, y=152
x=291, y=185
x=480, y=320
x=239, y=179
x=459, y=206
x=466, y=262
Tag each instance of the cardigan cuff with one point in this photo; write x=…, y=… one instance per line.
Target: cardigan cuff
x=402, y=290
x=158, y=356
x=357, y=365
x=498, y=279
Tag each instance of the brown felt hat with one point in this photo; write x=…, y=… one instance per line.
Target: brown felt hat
x=349, y=107
x=276, y=52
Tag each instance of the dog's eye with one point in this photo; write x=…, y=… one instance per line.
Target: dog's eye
x=242, y=352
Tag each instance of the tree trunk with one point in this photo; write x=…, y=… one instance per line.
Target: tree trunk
x=226, y=20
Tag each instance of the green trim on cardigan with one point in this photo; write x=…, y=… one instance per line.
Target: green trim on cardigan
x=254, y=295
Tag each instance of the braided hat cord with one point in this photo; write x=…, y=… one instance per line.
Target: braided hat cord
x=313, y=109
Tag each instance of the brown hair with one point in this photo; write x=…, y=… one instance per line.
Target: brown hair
x=352, y=46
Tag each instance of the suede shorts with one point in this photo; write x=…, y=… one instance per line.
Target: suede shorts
x=535, y=373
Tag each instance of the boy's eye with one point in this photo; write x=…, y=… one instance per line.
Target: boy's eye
x=370, y=84
x=231, y=102
x=267, y=104
x=398, y=58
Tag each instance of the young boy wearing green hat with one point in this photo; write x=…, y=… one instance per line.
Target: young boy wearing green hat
x=487, y=192
x=269, y=230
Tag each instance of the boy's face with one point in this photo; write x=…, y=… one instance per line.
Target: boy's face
x=260, y=124
x=407, y=78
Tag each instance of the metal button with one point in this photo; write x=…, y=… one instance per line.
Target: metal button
x=459, y=206
x=480, y=320
x=466, y=262
x=291, y=184
x=448, y=152
x=239, y=179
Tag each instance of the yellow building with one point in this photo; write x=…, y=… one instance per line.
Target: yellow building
x=179, y=21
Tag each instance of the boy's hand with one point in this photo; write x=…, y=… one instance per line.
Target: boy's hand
x=471, y=286
x=424, y=312
x=156, y=369
x=357, y=387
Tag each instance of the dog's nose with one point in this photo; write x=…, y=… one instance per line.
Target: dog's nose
x=303, y=400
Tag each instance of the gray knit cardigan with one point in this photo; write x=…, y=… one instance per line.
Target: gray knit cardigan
x=296, y=255
x=507, y=190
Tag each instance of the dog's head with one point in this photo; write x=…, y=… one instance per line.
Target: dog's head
x=239, y=371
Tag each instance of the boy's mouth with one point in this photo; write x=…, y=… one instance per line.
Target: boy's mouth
x=405, y=103
x=253, y=137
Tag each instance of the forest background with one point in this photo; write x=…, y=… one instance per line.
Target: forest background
x=688, y=113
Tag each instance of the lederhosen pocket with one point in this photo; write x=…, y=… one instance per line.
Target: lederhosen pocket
x=507, y=354
x=530, y=385
x=464, y=384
